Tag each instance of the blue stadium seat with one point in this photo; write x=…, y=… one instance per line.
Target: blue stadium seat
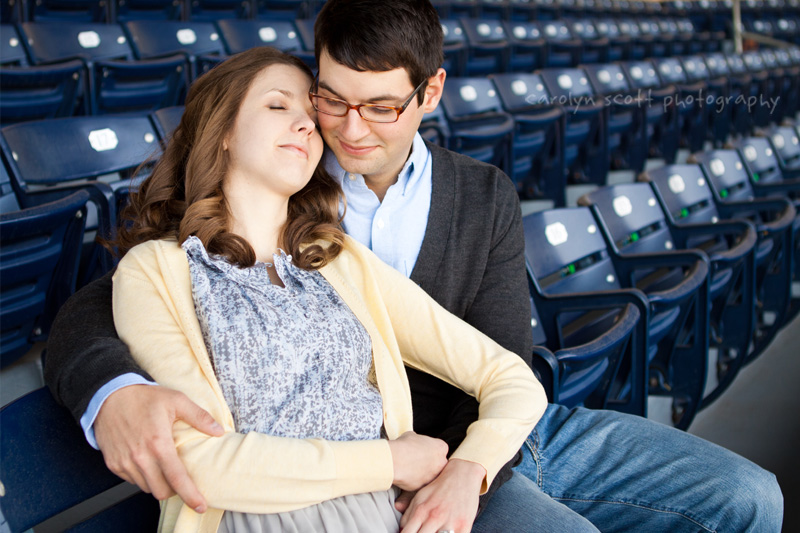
x=58, y=155
x=40, y=92
x=676, y=284
x=214, y=10
x=576, y=257
x=625, y=115
x=767, y=84
x=455, y=48
x=40, y=242
x=775, y=222
x=116, y=82
x=12, y=47
x=479, y=127
x=715, y=97
x=287, y=9
x=47, y=467
x=654, y=225
x=527, y=46
x=691, y=108
x=738, y=89
x=595, y=46
x=786, y=145
x=657, y=43
x=563, y=48
x=597, y=337
x=619, y=45
x=71, y=10
x=638, y=48
x=792, y=72
x=661, y=111
x=148, y=10
x=585, y=136
x=195, y=40
x=786, y=84
x=538, y=155
x=434, y=128
x=165, y=121
x=241, y=35
x=488, y=48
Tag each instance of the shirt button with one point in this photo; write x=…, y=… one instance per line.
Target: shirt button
x=352, y=177
x=380, y=223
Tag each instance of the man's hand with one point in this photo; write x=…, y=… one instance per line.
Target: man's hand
x=417, y=459
x=134, y=431
x=449, y=503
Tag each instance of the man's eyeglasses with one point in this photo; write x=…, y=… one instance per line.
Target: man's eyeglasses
x=369, y=112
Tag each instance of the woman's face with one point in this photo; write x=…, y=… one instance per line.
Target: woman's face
x=275, y=142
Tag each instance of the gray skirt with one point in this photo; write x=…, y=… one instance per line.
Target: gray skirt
x=372, y=512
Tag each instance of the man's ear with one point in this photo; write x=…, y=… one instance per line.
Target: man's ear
x=433, y=92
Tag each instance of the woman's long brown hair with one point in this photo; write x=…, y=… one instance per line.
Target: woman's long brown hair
x=183, y=195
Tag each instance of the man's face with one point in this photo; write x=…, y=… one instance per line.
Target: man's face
x=378, y=151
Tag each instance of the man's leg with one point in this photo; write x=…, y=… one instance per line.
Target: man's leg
x=520, y=506
x=627, y=473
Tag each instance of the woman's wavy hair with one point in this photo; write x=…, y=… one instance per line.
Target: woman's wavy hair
x=183, y=195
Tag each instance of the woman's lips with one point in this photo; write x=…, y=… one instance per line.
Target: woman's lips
x=296, y=148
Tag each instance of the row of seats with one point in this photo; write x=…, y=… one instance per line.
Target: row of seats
x=559, y=127
x=709, y=15
x=707, y=253
x=50, y=69
x=629, y=291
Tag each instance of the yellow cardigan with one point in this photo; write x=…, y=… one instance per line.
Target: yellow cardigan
x=256, y=473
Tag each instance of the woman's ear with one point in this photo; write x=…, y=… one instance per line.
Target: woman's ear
x=225, y=144
x=433, y=92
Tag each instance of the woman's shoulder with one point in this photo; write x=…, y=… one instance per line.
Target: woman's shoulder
x=151, y=254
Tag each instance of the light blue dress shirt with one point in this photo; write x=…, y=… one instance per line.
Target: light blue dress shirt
x=393, y=229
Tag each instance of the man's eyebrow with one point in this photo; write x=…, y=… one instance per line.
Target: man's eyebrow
x=379, y=98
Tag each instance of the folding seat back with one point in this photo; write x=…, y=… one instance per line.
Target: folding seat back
x=715, y=98
x=761, y=161
x=585, y=137
x=625, y=116
x=738, y=86
x=657, y=44
x=149, y=10
x=159, y=38
x=241, y=35
x=563, y=49
x=40, y=92
x=47, y=467
x=786, y=144
x=39, y=250
x=538, y=157
x=527, y=46
x=522, y=10
x=792, y=77
x=595, y=46
x=479, y=127
x=12, y=48
x=71, y=10
x=618, y=44
x=116, y=82
x=434, y=128
x=661, y=112
x=214, y=10
x=488, y=48
x=767, y=87
x=165, y=121
x=455, y=47
x=574, y=288
x=676, y=283
x=691, y=108
x=286, y=9
x=638, y=48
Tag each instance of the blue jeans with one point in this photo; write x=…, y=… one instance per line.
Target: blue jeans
x=586, y=470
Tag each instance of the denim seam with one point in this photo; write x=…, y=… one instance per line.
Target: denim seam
x=534, y=448
x=640, y=506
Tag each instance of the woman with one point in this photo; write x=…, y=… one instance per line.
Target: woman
x=239, y=288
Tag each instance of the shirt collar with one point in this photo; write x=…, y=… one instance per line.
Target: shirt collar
x=409, y=175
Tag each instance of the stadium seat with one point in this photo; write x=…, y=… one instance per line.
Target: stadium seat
x=527, y=46
x=638, y=43
x=214, y=10
x=580, y=259
x=625, y=115
x=738, y=89
x=595, y=46
x=691, y=109
x=148, y=10
x=195, y=40
x=585, y=136
x=56, y=156
x=479, y=127
x=165, y=121
x=619, y=45
x=71, y=10
x=241, y=35
x=12, y=48
x=597, y=337
x=47, y=467
x=768, y=87
x=286, y=9
x=786, y=145
x=454, y=47
x=652, y=225
x=714, y=98
x=661, y=110
x=40, y=92
x=488, y=48
x=116, y=82
x=538, y=154
x=563, y=49
x=40, y=242
x=434, y=128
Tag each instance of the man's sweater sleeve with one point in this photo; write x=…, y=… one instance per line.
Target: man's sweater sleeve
x=84, y=351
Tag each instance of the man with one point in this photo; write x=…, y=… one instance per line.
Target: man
x=453, y=225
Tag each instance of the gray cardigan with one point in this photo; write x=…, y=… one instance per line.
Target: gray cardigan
x=471, y=262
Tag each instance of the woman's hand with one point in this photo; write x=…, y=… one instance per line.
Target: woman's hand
x=449, y=503
x=417, y=460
